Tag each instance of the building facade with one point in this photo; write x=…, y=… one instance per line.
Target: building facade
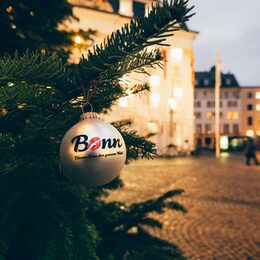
x=166, y=114
x=250, y=105
x=204, y=106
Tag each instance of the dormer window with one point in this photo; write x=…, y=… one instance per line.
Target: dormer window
x=206, y=82
x=228, y=81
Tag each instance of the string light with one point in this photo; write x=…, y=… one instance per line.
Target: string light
x=9, y=9
x=78, y=39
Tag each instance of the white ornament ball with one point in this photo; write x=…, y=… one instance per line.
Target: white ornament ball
x=93, y=151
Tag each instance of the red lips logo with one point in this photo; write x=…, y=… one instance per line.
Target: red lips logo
x=94, y=143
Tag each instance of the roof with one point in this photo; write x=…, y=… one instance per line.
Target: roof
x=206, y=79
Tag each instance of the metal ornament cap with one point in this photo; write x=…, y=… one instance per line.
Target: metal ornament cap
x=93, y=151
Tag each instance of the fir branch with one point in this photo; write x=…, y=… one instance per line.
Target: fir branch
x=135, y=37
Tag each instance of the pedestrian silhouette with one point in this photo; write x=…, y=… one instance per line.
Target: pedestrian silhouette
x=251, y=151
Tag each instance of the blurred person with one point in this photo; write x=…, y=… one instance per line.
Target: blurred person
x=186, y=147
x=251, y=151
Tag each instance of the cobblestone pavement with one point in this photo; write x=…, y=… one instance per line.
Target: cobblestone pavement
x=222, y=198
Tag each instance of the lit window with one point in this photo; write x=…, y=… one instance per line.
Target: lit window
x=235, y=115
x=153, y=127
x=178, y=92
x=250, y=133
x=232, y=115
x=257, y=95
x=155, y=80
x=172, y=104
x=258, y=132
x=176, y=54
x=257, y=107
x=210, y=115
x=155, y=99
x=123, y=102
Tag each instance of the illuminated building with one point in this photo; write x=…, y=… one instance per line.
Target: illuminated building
x=165, y=115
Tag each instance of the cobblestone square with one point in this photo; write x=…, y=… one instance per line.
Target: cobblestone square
x=222, y=198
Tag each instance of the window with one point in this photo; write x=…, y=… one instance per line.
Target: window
x=210, y=115
x=250, y=120
x=257, y=107
x=198, y=128
x=208, y=128
x=228, y=81
x=195, y=94
x=236, y=94
x=232, y=115
x=257, y=95
x=249, y=94
x=250, y=107
x=226, y=128
x=205, y=93
x=232, y=103
x=197, y=115
x=220, y=114
x=220, y=104
x=235, y=128
x=197, y=104
x=210, y=103
x=206, y=82
x=196, y=82
x=226, y=94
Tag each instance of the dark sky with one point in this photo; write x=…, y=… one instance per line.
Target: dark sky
x=233, y=26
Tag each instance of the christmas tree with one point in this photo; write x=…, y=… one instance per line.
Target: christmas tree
x=37, y=25
x=44, y=213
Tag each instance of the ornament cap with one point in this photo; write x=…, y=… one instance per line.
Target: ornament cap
x=88, y=115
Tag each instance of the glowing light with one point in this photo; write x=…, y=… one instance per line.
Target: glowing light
x=3, y=111
x=21, y=105
x=257, y=107
x=153, y=127
x=258, y=132
x=155, y=99
x=224, y=155
x=172, y=103
x=43, y=51
x=224, y=142
x=9, y=9
x=176, y=54
x=178, y=92
x=13, y=26
x=250, y=133
x=78, y=39
x=257, y=95
x=123, y=102
x=155, y=80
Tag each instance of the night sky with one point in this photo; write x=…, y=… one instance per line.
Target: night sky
x=233, y=26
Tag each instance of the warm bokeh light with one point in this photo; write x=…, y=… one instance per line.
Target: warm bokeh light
x=224, y=142
x=123, y=102
x=153, y=127
x=78, y=39
x=250, y=133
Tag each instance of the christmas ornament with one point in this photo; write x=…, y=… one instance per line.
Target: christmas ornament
x=93, y=151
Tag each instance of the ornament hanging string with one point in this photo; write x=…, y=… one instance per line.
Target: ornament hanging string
x=87, y=96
